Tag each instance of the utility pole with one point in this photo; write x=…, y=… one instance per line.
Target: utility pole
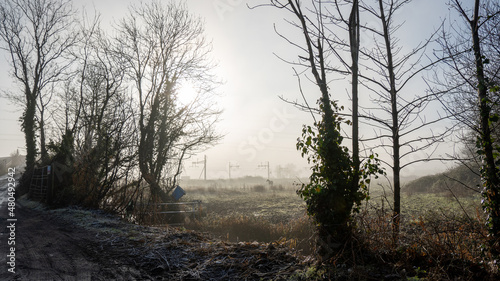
x=266, y=166
x=204, y=161
x=232, y=166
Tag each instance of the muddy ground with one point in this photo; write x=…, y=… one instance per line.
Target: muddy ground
x=77, y=244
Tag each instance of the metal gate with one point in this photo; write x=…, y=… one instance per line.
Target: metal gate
x=40, y=184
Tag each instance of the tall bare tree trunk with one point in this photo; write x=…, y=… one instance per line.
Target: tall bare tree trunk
x=44, y=155
x=492, y=180
x=354, y=47
x=396, y=169
x=28, y=126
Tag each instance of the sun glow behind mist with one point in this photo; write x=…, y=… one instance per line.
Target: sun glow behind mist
x=187, y=94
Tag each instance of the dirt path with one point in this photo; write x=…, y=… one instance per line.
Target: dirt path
x=39, y=244
x=45, y=249
x=77, y=244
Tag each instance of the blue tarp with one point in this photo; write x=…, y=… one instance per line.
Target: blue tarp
x=178, y=193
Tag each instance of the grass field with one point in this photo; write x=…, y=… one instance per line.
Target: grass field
x=259, y=212
x=276, y=206
x=441, y=236
x=252, y=212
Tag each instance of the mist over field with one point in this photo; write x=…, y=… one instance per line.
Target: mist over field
x=249, y=140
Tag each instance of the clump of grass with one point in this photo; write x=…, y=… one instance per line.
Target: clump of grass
x=296, y=233
x=248, y=228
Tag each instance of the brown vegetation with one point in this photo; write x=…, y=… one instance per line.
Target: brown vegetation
x=441, y=238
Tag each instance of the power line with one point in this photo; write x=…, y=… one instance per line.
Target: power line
x=265, y=166
x=204, y=161
x=232, y=166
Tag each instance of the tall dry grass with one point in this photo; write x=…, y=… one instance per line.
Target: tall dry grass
x=297, y=233
x=439, y=244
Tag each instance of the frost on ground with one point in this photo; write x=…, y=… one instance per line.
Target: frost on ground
x=77, y=244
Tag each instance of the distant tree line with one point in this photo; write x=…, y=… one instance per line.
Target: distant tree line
x=104, y=103
x=460, y=181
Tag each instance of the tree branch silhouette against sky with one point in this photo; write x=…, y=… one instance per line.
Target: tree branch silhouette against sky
x=258, y=126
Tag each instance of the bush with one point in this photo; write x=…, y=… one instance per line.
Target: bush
x=328, y=195
x=335, y=190
x=259, y=188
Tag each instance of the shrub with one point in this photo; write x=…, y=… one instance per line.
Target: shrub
x=212, y=189
x=259, y=188
x=328, y=194
x=334, y=190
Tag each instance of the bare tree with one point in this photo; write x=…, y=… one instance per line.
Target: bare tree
x=332, y=18
x=398, y=115
x=385, y=73
x=37, y=36
x=335, y=187
x=163, y=46
x=92, y=113
x=104, y=122
x=354, y=44
x=470, y=82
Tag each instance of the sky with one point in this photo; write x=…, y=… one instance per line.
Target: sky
x=259, y=128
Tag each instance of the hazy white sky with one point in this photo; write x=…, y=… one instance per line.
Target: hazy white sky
x=259, y=127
